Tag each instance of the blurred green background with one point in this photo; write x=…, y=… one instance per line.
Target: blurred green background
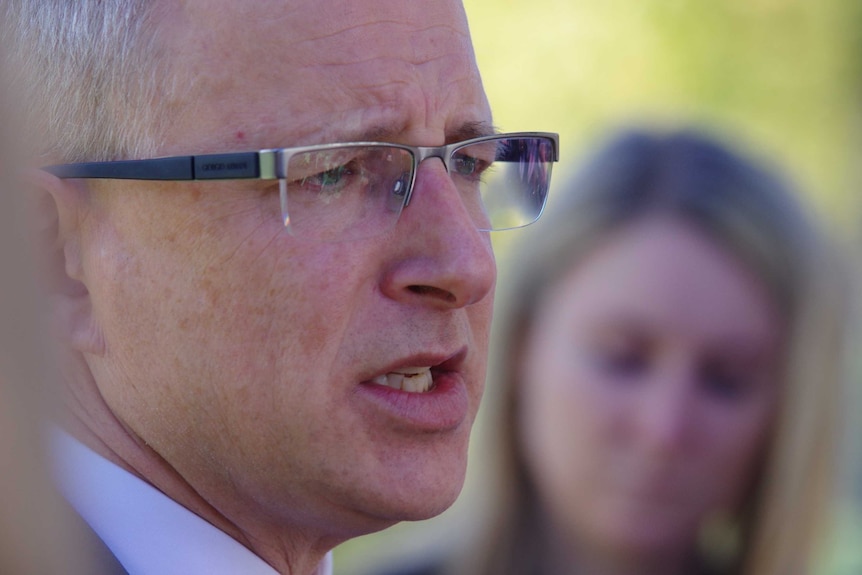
x=782, y=79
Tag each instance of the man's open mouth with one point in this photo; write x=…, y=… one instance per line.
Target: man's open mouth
x=410, y=379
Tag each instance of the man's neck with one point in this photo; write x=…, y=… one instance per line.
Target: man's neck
x=287, y=555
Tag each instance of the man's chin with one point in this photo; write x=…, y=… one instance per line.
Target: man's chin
x=378, y=511
x=414, y=502
x=405, y=481
x=428, y=509
x=428, y=503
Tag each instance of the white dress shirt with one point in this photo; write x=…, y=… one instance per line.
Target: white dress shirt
x=148, y=532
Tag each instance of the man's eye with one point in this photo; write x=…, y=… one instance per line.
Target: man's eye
x=329, y=178
x=469, y=166
x=465, y=165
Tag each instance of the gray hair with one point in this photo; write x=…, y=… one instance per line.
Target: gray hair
x=88, y=73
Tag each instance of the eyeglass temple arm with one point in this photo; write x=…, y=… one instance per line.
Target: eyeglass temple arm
x=234, y=166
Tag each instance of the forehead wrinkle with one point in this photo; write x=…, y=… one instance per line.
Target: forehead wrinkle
x=394, y=59
x=425, y=44
x=386, y=105
x=299, y=31
x=330, y=19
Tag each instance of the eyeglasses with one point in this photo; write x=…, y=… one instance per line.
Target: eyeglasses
x=336, y=192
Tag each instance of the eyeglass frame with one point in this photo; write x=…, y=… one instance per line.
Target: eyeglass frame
x=266, y=164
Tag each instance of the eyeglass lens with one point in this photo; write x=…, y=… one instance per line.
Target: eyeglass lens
x=353, y=192
x=345, y=193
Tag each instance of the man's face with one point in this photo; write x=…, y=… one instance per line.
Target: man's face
x=245, y=356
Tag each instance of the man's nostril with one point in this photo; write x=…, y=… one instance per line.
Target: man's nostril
x=433, y=292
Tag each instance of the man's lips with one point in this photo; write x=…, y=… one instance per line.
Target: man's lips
x=425, y=392
x=417, y=373
x=409, y=379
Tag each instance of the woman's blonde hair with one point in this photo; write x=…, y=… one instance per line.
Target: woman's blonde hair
x=752, y=214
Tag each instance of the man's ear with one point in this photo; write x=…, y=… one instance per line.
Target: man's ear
x=58, y=209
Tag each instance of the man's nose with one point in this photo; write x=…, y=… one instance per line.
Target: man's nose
x=443, y=257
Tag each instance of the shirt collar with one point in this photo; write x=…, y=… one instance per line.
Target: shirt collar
x=149, y=533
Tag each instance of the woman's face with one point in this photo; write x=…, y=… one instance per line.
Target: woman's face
x=648, y=388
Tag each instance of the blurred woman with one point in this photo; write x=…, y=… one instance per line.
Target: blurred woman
x=667, y=372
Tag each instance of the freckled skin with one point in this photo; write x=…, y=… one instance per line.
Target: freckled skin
x=232, y=349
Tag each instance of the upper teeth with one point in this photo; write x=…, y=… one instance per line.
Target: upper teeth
x=412, y=379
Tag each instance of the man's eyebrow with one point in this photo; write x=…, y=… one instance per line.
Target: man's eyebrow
x=470, y=130
x=465, y=131
x=376, y=134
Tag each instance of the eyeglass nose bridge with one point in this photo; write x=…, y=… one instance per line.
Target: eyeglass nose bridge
x=422, y=153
